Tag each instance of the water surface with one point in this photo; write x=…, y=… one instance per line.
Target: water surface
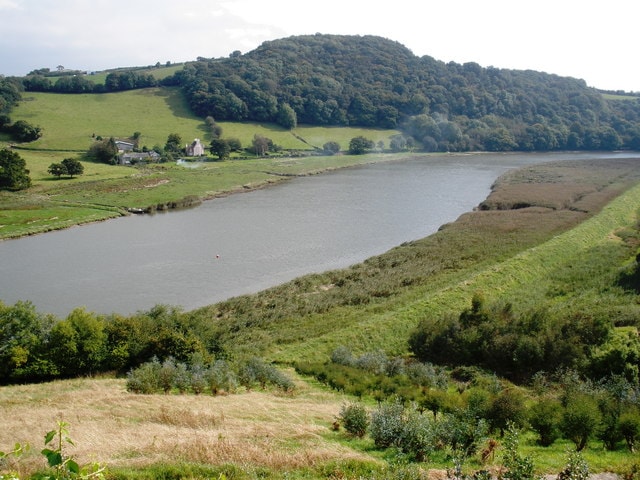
x=250, y=241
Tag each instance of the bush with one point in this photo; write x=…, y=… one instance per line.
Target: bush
x=387, y=424
x=144, y=379
x=342, y=356
x=576, y=468
x=517, y=467
x=544, y=419
x=355, y=419
x=419, y=435
x=580, y=420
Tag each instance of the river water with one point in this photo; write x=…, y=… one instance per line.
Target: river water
x=250, y=241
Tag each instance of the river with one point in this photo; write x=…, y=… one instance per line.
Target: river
x=247, y=242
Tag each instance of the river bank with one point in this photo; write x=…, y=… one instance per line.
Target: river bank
x=105, y=192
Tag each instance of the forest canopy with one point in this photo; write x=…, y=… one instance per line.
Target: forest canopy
x=374, y=82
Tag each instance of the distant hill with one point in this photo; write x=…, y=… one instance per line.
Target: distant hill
x=372, y=81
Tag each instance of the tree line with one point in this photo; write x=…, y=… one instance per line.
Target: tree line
x=518, y=345
x=80, y=83
x=38, y=347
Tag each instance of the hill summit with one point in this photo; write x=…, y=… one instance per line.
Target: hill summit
x=375, y=82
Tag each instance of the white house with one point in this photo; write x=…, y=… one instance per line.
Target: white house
x=196, y=149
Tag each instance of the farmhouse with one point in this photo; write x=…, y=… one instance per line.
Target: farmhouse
x=196, y=149
x=132, y=158
x=124, y=146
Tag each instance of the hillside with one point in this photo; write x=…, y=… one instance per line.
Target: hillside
x=372, y=81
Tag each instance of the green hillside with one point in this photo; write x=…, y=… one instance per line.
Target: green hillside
x=69, y=122
x=373, y=81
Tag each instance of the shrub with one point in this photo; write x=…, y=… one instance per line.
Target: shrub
x=517, y=467
x=221, y=377
x=387, y=424
x=576, y=468
x=355, y=419
x=506, y=407
x=629, y=425
x=463, y=432
x=544, y=419
x=580, y=419
x=144, y=379
x=419, y=435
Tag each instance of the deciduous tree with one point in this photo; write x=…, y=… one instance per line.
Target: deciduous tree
x=13, y=171
x=73, y=166
x=220, y=148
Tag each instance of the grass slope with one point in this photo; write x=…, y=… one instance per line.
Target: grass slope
x=69, y=121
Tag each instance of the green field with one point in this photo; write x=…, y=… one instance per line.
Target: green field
x=70, y=121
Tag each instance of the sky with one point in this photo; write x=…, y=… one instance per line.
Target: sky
x=588, y=39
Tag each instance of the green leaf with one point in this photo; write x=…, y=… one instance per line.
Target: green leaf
x=73, y=467
x=53, y=458
x=49, y=436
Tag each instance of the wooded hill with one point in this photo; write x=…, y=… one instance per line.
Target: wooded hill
x=369, y=81
x=374, y=82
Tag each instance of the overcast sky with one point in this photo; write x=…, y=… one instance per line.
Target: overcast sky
x=593, y=40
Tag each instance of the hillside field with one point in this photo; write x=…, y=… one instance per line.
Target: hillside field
x=69, y=121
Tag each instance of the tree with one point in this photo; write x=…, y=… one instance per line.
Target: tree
x=104, y=151
x=286, y=116
x=359, y=145
x=260, y=145
x=580, y=420
x=14, y=175
x=221, y=148
x=174, y=143
x=629, y=425
x=73, y=167
x=331, y=148
x=57, y=169
x=235, y=144
x=544, y=417
x=25, y=132
x=22, y=335
x=77, y=344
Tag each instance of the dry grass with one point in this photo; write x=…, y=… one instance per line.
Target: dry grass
x=117, y=428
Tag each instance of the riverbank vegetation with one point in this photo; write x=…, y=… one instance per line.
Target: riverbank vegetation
x=552, y=249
